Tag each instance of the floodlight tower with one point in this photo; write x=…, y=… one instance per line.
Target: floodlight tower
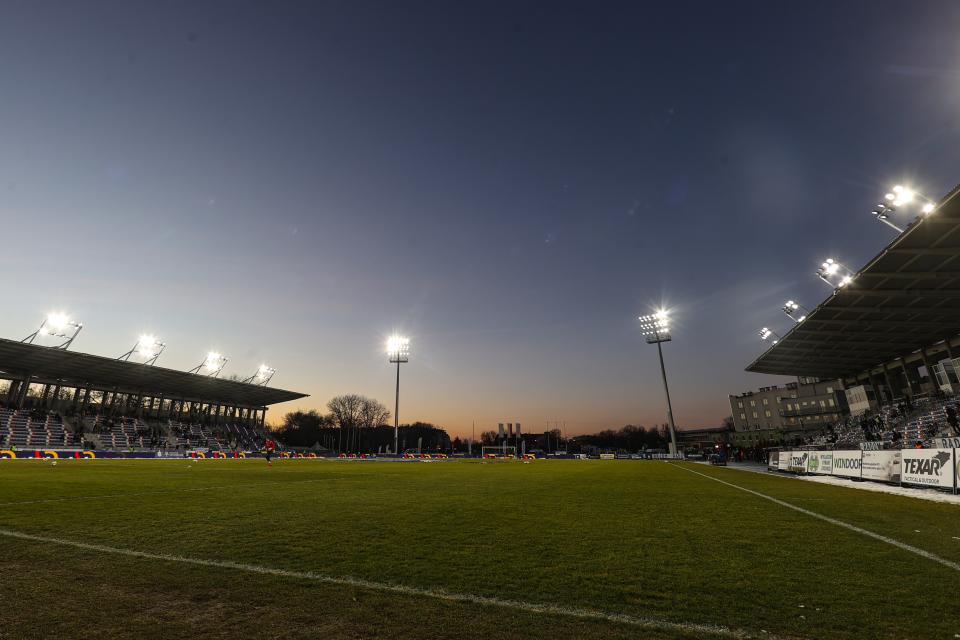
x=766, y=334
x=656, y=329
x=213, y=364
x=147, y=347
x=795, y=311
x=398, y=350
x=262, y=377
x=57, y=325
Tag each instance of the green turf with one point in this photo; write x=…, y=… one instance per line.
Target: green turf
x=642, y=538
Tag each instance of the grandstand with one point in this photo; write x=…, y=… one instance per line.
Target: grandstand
x=57, y=398
x=891, y=336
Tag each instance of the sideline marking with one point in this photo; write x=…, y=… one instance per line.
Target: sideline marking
x=438, y=594
x=950, y=564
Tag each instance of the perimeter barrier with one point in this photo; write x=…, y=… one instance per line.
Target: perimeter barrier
x=937, y=468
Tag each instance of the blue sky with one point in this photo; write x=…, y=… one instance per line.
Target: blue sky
x=510, y=184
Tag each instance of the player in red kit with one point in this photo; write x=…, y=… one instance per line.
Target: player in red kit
x=269, y=445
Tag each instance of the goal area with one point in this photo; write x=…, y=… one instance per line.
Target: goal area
x=498, y=453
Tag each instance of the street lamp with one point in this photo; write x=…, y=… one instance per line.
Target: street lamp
x=57, y=325
x=656, y=329
x=213, y=364
x=398, y=350
x=766, y=334
x=792, y=308
x=262, y=376
x=146, y=347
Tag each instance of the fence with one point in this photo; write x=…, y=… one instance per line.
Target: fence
x=938, y=468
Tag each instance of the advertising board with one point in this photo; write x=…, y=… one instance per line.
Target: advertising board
x=847, y=463
x=881, y=465
x=820, y=462
x=798, y=462
x=928, y=467
x=783, y=460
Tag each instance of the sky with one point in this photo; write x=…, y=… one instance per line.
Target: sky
x=510, y=184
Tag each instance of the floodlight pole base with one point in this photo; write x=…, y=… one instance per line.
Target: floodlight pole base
x=666, y=388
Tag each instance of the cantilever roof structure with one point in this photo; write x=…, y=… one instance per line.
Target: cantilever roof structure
x=70, y=368
x=906, y=298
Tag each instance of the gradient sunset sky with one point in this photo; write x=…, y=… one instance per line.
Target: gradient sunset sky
x=509, y=183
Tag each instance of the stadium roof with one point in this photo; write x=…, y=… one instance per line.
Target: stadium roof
x=904, y=299
x=18, y=359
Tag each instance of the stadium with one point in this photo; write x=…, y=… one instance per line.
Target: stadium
x=507, y=259
x=206, y=539
x=123, y=408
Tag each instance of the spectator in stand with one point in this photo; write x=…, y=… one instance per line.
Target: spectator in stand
x=918, y=445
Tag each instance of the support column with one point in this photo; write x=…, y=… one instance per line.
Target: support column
x=13, y=391
x=931, y=375
x=23, y=391
x=906, y=374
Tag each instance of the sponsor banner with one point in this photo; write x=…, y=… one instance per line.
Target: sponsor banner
x=820, y=462
x=783, y=460
x=947, y=443
x=847, y=463
x=773, y=461
x=798, y=461
x=607, y=456
x=881, y=465
x=875, y=445
x=929, y=467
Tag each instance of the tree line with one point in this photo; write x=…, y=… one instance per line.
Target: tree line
x=356, y=424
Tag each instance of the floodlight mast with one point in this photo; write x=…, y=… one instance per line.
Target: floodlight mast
x=795, y=311
x=656, y=329
x=148, y=347
x=766, y=334
x=398, y=350
x=831, y=268
x=213, y=363
x=56, y=325
x=262, y=377
x=901, y=196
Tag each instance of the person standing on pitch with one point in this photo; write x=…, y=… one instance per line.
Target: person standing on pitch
x=269, y=445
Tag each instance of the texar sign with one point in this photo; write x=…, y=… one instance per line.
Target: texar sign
x=931, y=467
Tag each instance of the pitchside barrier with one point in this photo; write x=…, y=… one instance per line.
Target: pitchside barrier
x=80, y=454
x=939, y=468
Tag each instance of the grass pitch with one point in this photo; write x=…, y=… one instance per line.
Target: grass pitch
x=630, y=548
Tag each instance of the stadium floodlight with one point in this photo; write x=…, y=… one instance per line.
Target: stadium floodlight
x=795, y=311
x=902, y=196
x=882, y=213
x=834, y=274
x=398, y=351
x=655, y=328
x=767, y=333
x=262, y=376
x=213, y=364
x=147, y=347
x=57, y=325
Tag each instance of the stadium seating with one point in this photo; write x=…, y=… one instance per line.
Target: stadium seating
x=20, y=429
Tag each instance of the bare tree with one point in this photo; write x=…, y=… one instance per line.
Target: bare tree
x=345, y=410
x=373, y=413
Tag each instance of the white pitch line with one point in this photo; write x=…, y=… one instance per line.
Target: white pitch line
x=437, y=594
x=950, y=564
